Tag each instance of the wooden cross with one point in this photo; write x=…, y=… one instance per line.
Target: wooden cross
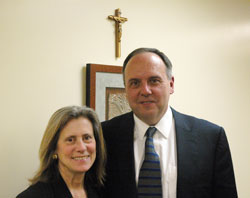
x=118, y=30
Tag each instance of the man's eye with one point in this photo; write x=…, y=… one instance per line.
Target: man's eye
x=154, y=81
x=134, y=83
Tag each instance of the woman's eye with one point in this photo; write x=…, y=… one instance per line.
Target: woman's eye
x=70, y=139
x=87, y=138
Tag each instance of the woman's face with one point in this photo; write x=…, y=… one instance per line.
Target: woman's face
x=76, y=147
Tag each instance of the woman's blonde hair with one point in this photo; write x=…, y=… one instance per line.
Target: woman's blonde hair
x=48, y=170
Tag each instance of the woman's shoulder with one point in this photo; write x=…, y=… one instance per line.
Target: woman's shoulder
x=38, y=190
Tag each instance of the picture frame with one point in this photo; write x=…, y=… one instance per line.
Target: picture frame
x=105, y=92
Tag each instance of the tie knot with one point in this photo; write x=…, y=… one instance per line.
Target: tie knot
x=151, y=131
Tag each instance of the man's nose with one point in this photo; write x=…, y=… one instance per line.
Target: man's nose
x=145, y=89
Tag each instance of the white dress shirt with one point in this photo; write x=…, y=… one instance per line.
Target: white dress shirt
x=165, y=147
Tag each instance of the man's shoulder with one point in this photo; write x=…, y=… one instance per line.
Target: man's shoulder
x=39, y=190
x=192, y=120
x=118, y=120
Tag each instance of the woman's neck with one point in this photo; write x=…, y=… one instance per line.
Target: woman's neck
x=74, y=182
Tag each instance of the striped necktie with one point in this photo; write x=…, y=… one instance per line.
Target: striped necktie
x=149, y=184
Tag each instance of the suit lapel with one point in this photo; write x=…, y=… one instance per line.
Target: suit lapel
x=186, y=141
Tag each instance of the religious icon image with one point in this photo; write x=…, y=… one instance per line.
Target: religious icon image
x=116, y=102
x=118, y=29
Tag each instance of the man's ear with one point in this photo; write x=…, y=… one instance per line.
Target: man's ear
x=172, y=85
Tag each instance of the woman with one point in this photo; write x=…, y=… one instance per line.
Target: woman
x=72, y=157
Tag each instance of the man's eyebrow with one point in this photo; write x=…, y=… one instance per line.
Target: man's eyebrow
x=133, y=79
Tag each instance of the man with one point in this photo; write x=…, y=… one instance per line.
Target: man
x=194, y=155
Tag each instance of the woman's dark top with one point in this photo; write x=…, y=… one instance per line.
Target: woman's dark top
x=56, y=189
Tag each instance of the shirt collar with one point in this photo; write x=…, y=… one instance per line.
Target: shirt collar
x=163, y=126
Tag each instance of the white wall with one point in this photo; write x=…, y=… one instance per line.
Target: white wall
x=45, y=45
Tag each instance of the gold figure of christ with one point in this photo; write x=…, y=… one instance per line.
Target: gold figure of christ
x=118, y=29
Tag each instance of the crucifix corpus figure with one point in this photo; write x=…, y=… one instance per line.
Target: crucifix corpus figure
x=118, y=29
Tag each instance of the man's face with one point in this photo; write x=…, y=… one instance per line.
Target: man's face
x=147, y=87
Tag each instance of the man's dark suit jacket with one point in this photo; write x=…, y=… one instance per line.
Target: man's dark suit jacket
x=204, y=164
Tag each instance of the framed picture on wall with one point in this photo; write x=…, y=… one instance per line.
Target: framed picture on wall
x=105, y=91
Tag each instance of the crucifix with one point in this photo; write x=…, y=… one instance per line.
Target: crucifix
x=118, y=30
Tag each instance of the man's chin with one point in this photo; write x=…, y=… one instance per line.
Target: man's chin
x=148, y=118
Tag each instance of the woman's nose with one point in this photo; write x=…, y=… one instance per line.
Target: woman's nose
x=81, y=146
